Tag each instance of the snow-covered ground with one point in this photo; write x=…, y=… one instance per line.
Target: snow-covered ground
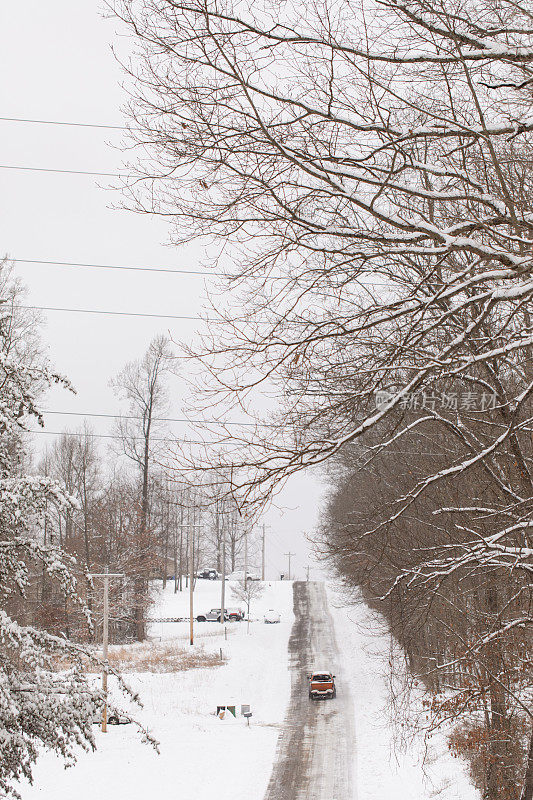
x=201, y=756
x=204, y=757
x=382, y=767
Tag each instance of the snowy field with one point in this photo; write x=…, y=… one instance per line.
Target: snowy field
x=201, y=756
x=384, y=767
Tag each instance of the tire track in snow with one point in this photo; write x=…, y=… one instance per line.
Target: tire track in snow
x=314, y=755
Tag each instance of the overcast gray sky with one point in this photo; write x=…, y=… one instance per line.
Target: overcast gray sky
x=58, y=65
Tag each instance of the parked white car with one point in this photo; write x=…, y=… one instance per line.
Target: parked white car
x=272, y=616
x=238, y=575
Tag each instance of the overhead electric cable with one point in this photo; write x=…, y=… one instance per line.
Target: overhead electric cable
x=159, y=269
x=67, y=171
x=173, y=440
x=70, y=124
x=155, y=419
x=218, y=321
x=117, y=266
x=109, y=313
x=176, y=440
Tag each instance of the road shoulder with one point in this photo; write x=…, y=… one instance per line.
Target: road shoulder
x=390, y=760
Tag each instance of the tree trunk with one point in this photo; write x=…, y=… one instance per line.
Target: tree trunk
x=527, y=789
x=187, y=556
x=165, y=548
x=181, y=550
x=175, y=557
x=141, y=582
x=498, y=755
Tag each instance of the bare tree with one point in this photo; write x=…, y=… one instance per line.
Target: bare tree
x=366, y=216
x=247, y=591
x=464, y=629
x=142, y=384
x=87, y=470
x=74, y=461
x=372, y=171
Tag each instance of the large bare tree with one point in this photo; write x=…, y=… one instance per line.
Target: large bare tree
x=380, y=196
x=142, y=384
x=370, y=165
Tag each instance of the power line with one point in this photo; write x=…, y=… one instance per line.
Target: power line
x=159, y=269
x=193, y=441
x=157, y=419
x=109, y=313
x=87, y=172
x=70, y=124
x=173, y=440
x=210, y=422
x=116, y=266
x=66, y=171
x=170, y=271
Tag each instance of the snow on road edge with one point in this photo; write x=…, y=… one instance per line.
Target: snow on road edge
x=383, y=767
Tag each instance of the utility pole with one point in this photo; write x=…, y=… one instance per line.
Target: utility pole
x=263, y=554
x=223, y=587
x=191, y=528
x=307, y=571
x=178, y=578
x=105, y=636
x=289, y=555
x=194, y=526
x=246, y=556
x=191, y=587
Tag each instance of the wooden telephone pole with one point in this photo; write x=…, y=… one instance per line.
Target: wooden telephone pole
x=263, y=554
x=192, y=529
x=289, y=555
x=223, y=587
x=105, y=636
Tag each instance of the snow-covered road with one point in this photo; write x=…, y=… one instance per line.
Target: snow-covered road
x=350, y=748
x=314, y=760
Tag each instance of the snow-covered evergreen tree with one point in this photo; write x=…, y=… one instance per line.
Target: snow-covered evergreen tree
x=46, y=699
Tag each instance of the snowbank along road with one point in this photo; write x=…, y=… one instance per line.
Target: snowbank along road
x=315, y=752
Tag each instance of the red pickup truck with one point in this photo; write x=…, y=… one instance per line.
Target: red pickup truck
x=321, y=685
